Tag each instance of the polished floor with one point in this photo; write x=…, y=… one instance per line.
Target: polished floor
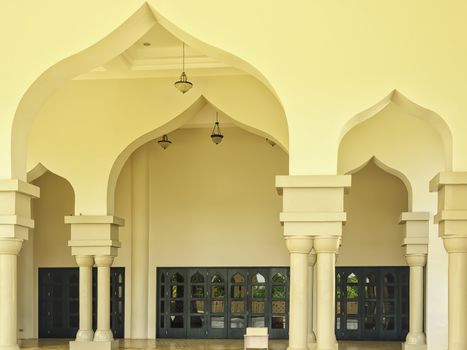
x=201, y=344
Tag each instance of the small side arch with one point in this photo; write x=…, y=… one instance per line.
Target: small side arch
x=391, y=171
x=432, y=118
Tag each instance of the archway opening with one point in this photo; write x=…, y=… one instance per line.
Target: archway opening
x=211, y=209
x=371, y=272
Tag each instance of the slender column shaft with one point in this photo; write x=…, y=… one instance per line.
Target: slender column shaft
x=9, y=249
x=299, y=247
x=457, y=301
x=311, y=264
x=139, y=244
x=416, y=335
x=325, y=248
x=103, y=332
x=85, y=332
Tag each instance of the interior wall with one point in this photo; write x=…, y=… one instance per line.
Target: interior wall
x=210, y=205
x=372, y=235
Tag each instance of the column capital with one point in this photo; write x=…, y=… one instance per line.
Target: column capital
x=299, y=244
x=326, y=244
x=84, y=260
x=15, y=211
x=94, y=234
x=416, y=225
x=455, y=244
x=416, y=259
x=104, y=260
x=313, y=204
x=312, y=258
x=10, y=246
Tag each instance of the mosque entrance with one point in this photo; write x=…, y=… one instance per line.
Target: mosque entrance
x=372, y=303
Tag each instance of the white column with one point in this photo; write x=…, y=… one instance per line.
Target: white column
x=9, y=249
x=326, y=248
x=299, y=248
x=416, y=335
x=140, y=244
x=311, y=311
x=457, y=251
x=103, y=332
x=85, y=332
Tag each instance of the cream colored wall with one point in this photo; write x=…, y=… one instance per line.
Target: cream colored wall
x=372, y=235
x=406, y=144
x=210, y=206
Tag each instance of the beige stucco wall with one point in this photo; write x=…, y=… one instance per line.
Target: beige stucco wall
x=372, y=235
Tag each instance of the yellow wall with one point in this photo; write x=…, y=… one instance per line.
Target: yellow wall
x=372, y=235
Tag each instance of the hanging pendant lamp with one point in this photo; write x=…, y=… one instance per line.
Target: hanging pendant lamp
x=183, y=85
x=164, y=142
x=216, y=135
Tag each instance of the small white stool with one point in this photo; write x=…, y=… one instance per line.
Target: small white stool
x=256, y=338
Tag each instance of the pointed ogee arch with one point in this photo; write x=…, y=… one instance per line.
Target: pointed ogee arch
x=432, y=118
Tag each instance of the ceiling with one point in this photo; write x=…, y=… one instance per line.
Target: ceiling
x=159, y=54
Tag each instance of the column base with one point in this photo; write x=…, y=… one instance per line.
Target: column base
x=92, y=345
x=406, y=346
x=103, y=335
x=312, y=345
x=85, y=335
x=335, y=347
x=289, y=348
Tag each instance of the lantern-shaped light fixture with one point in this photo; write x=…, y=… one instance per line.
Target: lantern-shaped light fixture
x=164, y=142
x=216, y=135
x=183, y=85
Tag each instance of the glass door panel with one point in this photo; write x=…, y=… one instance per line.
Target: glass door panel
x=175, y=297
x=197, y=318
x=279, y=298
x=217, y=314
x=238, y=307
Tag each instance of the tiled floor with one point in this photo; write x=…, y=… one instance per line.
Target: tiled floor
x=201, y=344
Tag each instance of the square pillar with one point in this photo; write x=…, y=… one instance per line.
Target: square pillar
x=313, y=208
x=94, y=238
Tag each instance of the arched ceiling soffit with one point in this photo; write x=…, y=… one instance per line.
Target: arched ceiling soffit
x=176, y=122
x=98, y=54
x=390, y=170
x=430, y=117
